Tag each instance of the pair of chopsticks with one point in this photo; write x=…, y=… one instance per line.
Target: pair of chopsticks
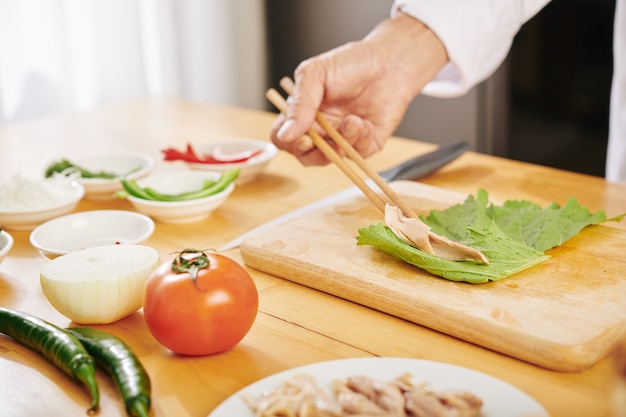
x=393, y=198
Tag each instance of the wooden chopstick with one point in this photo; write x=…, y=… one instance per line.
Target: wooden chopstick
x=330, y=153
x=288, y=85
x=277, y=100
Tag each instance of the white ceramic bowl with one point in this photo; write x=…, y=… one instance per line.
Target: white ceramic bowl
x=249, y=169
x=39, y=201
x=178, y=182
x=88, y=229
x=6, y=243
x=131, y=165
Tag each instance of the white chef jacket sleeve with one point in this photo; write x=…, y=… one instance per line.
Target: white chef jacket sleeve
x=477, y=35
x=616, y=152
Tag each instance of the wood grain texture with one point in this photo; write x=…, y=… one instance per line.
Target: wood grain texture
x=296, y=325
x=564, y=314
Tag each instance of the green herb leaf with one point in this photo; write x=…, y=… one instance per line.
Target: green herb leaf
x=514, y=236
x=64, y=166
x=547, y=228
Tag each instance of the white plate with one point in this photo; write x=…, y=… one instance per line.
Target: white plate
x=499, y=398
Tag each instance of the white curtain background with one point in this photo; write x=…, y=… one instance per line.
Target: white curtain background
x=61, y=56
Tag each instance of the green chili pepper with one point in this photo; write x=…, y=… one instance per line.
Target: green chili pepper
x=190, y=195
x=132, y=188
x=224, y=180
x=120, y=362
x=61, y=348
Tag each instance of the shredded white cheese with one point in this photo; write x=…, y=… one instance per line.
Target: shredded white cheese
x=22, y=194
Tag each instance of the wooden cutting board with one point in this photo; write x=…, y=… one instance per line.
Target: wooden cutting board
x=564, y=314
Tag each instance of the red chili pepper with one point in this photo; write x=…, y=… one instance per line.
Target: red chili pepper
x=190, y=155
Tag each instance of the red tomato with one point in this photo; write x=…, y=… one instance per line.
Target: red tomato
x=201, y=316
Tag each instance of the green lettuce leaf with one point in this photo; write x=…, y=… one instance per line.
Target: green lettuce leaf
x=547, y=228
x=514, y=236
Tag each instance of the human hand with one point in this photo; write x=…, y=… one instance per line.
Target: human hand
x=363, y=88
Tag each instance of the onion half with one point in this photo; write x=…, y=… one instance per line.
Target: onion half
x=99, y=285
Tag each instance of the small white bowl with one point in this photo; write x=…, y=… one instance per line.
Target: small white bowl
x=250, y=169
x=32, y=208
x=6, y=243
x=130, y=165
x=88, y=229
x=178, y=182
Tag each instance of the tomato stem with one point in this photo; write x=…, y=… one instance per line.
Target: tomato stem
x=193, y=265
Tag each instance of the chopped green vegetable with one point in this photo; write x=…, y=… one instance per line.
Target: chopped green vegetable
x=513, y=236
x=64, y=166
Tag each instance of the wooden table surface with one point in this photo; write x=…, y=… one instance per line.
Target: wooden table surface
x=295, y=325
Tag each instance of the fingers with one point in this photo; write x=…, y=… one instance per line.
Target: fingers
x=360, y=134
x=302, y=147
x=289, y=131
x=297, y=145
x=310, y=89
x=357, y=131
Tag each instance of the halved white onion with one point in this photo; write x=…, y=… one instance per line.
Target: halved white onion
x=99, y=285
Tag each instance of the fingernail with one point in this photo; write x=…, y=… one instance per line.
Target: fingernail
x=285, y=131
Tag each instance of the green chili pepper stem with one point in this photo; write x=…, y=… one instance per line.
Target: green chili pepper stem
x=118, y=360
x=62, y=349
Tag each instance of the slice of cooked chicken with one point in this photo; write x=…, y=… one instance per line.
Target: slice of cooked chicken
x=367, y=396
x=422, y=402
x=418, y=234
x=299, y=396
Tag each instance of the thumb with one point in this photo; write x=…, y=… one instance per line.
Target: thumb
x=303, y=102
